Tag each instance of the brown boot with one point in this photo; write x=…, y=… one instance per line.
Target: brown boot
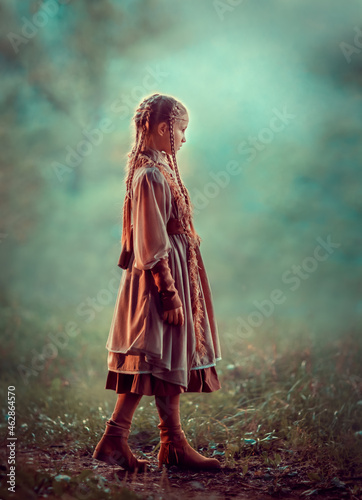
x=114, y=450
x=175, y=450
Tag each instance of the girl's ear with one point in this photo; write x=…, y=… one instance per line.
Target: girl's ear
x=162, y=128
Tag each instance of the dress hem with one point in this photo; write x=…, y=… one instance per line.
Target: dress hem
x=202, y=380
x=135, y=372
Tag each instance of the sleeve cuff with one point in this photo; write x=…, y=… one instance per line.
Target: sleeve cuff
x=166, y=285
x=170, y=300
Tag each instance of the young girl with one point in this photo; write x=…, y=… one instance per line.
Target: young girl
x=163, y=339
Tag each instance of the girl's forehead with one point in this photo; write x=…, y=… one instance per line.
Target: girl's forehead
x=183, y=120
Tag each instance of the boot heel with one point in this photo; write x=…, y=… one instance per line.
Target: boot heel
x=141, y=465
x=113, y=449
x=175, y=450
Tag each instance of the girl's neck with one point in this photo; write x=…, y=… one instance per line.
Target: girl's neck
x=155, y=154
x=146, y=148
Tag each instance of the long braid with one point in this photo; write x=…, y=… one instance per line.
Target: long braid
x=141, y=119
x=133, y=165
x=197, y=310
x=176, y=109
x=143, y=114
x=172, y=118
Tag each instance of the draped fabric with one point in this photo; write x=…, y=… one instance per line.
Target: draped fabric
x=139, y=340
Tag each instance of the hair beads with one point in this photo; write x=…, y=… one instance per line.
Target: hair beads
x=152, y=111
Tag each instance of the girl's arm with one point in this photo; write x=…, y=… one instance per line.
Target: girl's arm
x=151, y=212
x=151, y=209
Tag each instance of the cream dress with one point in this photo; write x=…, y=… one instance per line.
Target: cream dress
x=139, y=340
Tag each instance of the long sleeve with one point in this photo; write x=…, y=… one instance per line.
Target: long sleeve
x=151, y=209
x=151, y=212
x=166, y=285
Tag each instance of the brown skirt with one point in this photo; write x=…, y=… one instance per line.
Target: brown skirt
x=201, y=380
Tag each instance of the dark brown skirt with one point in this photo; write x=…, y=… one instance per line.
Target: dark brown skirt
x=201, y=380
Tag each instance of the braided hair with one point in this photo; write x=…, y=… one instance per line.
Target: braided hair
x=148, y=115
x=141, y=119
x=177, y=110
x=152, y=111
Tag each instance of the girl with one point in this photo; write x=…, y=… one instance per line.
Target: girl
x=163, y=338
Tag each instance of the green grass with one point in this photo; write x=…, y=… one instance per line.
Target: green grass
x=292, y=403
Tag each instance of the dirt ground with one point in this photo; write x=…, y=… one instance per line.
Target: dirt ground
x=258, y=483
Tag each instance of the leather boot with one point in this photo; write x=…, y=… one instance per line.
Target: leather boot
x=114, y=450
x=175, y=450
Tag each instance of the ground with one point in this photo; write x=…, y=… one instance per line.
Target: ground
x=60, y=471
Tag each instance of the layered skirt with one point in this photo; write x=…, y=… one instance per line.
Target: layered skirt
x=201, y=380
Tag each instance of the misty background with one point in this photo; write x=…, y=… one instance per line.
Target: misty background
x=272, y=159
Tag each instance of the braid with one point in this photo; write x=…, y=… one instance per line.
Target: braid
x=169, y=161
x=175, y=110
x=141, y=118
x=193, y=238
x=142, y=121
x=177, y=172
x=133, y=164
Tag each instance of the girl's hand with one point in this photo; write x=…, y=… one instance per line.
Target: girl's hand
x=174, y=316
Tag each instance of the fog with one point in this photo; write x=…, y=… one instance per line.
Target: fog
x=272, y=159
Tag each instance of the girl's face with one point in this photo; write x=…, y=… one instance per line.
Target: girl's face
x=160, y=139
x=179, y=129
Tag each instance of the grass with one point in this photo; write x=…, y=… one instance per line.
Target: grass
x=286, y=408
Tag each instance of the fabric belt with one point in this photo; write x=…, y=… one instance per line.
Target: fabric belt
x=174, y=226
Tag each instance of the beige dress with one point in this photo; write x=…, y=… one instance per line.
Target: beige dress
x=140, y=341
